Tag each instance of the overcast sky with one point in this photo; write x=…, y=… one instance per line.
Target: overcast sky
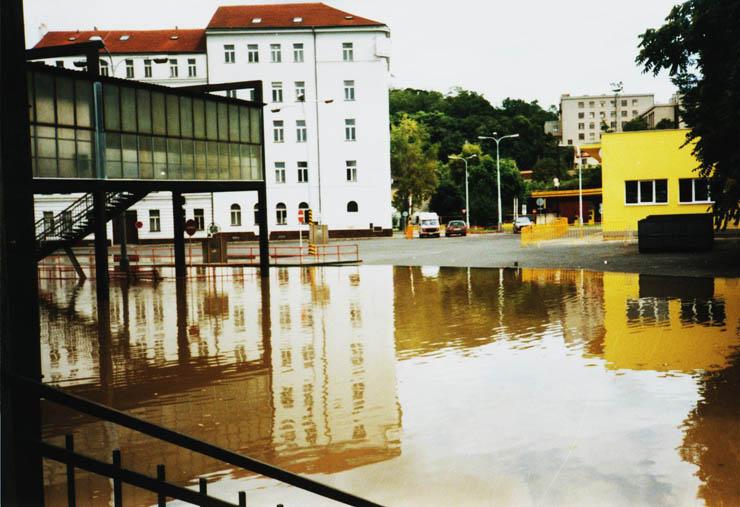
x=528, y=49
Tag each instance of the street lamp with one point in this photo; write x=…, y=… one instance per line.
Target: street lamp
x=467, y=204
x=616, y=88
x=498, y=169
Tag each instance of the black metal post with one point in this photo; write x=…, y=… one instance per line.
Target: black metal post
x=183, y=343
x=242, y=499
x=161, y=499
x=21, y=473
x=262, y=195
x=203, y=486
x=117, y=486
x=178, y=222
x=75, y=263
x=69, y=444
x=101, y=248
x=123, y=263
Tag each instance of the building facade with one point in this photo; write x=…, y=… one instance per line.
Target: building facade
x=583, y=118
x=325, y=76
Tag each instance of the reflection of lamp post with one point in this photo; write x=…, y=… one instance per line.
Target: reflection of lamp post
x=498, y=169
x=467, y=204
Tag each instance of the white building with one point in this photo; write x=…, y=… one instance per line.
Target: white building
x=583, y=117
x=325, y=77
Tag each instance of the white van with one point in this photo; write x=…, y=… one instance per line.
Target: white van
x=428, y=224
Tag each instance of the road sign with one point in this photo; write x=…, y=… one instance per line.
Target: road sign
x=540, y=201
x=300, y=216
x=139, y=224
x=191, y=226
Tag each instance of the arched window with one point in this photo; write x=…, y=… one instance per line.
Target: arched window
x=257, y=214
x=236, y=215
x=281, y=214
x=352, y=207
x=304, y=207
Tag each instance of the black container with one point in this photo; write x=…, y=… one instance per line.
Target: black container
x=675, y=233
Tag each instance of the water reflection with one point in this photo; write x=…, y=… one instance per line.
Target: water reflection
x=516, y=386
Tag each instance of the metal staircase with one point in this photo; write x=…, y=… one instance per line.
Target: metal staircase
x=78, y=220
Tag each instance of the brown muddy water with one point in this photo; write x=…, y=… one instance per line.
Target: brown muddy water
x=411, y=386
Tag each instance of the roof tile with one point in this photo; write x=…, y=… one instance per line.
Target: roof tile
x=285, y=16
x=139, y=41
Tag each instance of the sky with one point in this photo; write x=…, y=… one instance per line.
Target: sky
x=525, y=49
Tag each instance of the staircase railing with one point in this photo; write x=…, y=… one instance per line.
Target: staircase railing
x=113, y=470
x=64, y=222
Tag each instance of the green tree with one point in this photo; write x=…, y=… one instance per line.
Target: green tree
x=700, y=48
x=665, y=124
x=635, y=124
x=483, y=190
x=413, y=164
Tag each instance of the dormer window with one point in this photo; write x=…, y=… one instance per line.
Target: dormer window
x=71, y=38
x=348, y=17
x=95, y=37
x=174, y=37
x=297, y=20
x=124, y=37
x=256, y=21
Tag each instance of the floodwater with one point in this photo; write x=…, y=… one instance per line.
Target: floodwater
x=411, y=386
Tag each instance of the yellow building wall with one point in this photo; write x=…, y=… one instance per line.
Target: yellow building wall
x=644, y=155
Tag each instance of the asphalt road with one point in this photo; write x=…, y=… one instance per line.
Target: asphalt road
x=505, y=250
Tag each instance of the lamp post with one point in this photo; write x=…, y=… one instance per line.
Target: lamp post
x=498, y=169
x=467, y=204
x=616, y=88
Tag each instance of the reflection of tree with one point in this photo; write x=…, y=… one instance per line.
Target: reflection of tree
x=712, y=439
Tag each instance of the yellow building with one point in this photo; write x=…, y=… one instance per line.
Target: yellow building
x=649, y=172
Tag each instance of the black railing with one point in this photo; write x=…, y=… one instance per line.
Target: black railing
x=162, y=488
x=62, y=223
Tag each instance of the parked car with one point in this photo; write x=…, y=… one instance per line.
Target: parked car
x=456, y=228
x=520, y=222
x=428, y=223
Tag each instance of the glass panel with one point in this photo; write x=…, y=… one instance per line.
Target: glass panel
x=83, y=90
x=130, y=158
x=128, y=109
x=684, y=190
x=630, y=190
x=254, y=128
x=223, y=161
x=188, y=170
x=646, y=191
x=173, y=159
x=200, y=160
x=246, y=162
x=234, y=171
x=44, y=98
x=211, y=128
x=159, y=152
x=186, y=116
x=244, y=124
x=67, y=167
x=212, y=162
x=661, y=190
x=110, y=107
x=47, y=151
x=173, y=115
x=199, y=126
x=158, y=119
x=144, y=111
x=233, y=122
x=84, y=154
x=701, y=190
x=146, y=161
x=113, y=155
x=65, y=101
x=223, y=122
x=257, y=169
x=31, y=104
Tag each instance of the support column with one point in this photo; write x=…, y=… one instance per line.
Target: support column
x=264, y=233
x=75, y=263
x=183, y=343
x=102, y=283
x=123, y=263
x=178, y=222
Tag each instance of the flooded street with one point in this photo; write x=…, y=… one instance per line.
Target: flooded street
x=410, y=386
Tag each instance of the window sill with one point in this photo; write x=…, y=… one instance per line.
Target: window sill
x=646, y=204
x=690, y=203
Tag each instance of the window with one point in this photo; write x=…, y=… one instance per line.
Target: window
x=173, y=67
x=199, y=216
x=236, y=215
x=634, y=102
x=155, y=225
x=352, y=207
x=300, y=131
x=48, y=221
x=350, y=133
x=581, y=126
x=613, y=114
x=581, y=116
x=231, y=94
x=278, y=134
x=592, y=136
x=581, y=105
x=192, y=69
x=277, y=91
x=570, y=142
x=646, y=192
x=613, y=124
x=348, y=51
x=591, y=103
x=693, y=190
x=634, y=112
x=281, y=214
x=351, y=170
x=592, y=125
x=257, y=213
x=602, y=103
x=302, y=172
x=624, y=113
x=104, y=69
x=349, y=90
x=130, y=69
x=624, y=103
x=276, y=53
x=602, y=115
x=279, y=172
x=304, y=207
x=591, y=114
x=298, y=52
x=59, y=63
x=229, y=53
x=147, y=68
x=300, y=91
x=253, y=53
x=66, y=221
x=581, y=137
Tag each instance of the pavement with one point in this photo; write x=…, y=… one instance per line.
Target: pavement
x=505, y=250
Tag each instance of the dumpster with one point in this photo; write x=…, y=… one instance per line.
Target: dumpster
x=675, y=233
x=215, y=249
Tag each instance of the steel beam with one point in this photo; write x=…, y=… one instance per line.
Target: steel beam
x=178, y=231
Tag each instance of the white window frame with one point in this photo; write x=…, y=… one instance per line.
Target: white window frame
x=174, y=67
x=348, y=52
x=129, y=64
x=640, y=202
x=280, y=172
x=301, y=132
x=281, y=214
x=231, y=94
x=350, y=130
x=229, y=53
x=276, y=53
x=253, y=53
x=155, y=221
x=278, y=131
x=300, y=91
x=277, y=92
x=298, y=56
x=693, y=192
x=302, y=172
x=349, y=90
x=235, y=214
x=147, y=68
x=199, y=215
x=351, y=166
x=104, y=68
x=192, y=68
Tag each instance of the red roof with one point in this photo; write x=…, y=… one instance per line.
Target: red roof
x=285, y=16
x=138, y=41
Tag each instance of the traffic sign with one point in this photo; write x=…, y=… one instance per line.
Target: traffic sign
x=301, y=219
x=139, y=224
x=191, y=226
